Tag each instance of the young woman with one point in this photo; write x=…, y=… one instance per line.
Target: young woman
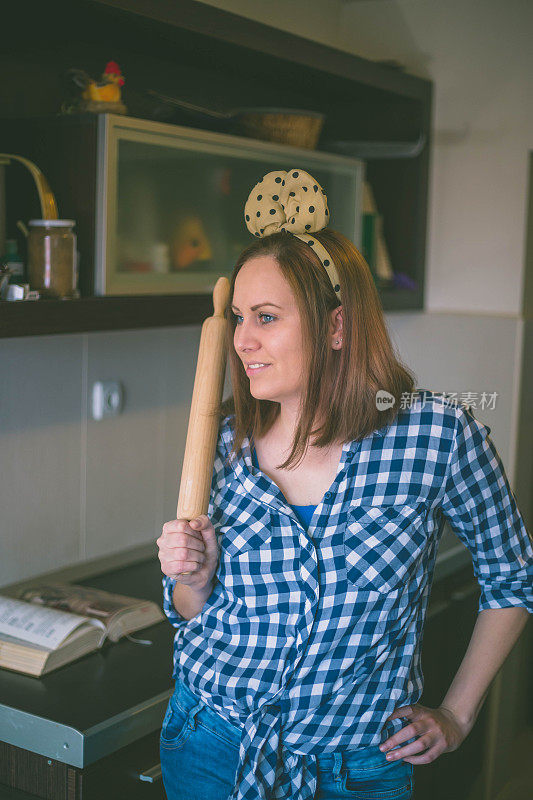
x=299, y=623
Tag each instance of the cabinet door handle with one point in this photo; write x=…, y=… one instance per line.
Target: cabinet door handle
x=152, y=775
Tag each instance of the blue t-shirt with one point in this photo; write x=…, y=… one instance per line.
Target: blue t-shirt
x=304, y=513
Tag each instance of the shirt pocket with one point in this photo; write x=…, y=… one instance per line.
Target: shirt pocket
x=384, y=544
x=238, y=539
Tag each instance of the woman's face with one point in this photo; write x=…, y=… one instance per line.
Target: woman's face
x=270, y=333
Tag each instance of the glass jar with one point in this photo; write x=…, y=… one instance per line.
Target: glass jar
x=52, y=257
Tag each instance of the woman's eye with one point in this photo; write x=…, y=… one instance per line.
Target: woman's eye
x=238, y=317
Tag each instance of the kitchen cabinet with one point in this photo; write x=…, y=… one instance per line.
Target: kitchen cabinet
x=217, y=59
x=165, y=209
x=91, y=728
x=450, y=620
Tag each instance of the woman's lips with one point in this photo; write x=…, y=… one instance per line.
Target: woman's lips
x=250, y=371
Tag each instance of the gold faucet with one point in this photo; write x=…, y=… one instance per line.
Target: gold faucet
x=46, y=196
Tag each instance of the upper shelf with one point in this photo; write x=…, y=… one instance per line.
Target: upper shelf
x=90, y=314
x=228, y=29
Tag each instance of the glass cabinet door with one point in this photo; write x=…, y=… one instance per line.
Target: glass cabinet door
x=171, y=214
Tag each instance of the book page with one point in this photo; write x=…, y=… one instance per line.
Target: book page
x=46, y=627
x=82, y=600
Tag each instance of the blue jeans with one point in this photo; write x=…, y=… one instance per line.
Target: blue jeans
x=200, y=754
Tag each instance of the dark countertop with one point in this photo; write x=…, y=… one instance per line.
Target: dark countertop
x=104, y=700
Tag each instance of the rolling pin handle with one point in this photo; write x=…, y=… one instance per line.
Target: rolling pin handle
x=203, y=428
x=221, y=296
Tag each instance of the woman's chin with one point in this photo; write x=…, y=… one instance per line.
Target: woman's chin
x=261, y=395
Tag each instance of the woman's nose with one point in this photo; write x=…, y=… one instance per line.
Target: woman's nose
x=245, y=337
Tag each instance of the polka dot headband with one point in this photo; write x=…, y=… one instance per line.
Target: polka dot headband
x=294, y=202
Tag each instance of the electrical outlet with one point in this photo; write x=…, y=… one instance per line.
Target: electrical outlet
x=107, y=399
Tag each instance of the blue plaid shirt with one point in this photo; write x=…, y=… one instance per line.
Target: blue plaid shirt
x=311, y=638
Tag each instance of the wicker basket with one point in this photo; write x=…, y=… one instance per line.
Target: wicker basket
x=285, y=126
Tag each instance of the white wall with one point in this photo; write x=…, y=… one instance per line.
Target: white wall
x=479, y=55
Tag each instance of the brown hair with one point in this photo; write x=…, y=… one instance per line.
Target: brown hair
x=341, y=384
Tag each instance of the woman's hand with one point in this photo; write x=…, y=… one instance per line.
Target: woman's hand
x=189, y=547
x=438, y=731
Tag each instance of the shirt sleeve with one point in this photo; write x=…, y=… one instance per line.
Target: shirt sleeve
x=174, y=617
x=483, y=513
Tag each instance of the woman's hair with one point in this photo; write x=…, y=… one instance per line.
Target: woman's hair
x=341, y=384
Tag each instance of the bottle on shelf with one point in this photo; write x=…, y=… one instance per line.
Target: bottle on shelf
x=12, y=259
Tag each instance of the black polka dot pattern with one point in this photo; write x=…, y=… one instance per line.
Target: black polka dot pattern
x=325, y=259
x=281, y=205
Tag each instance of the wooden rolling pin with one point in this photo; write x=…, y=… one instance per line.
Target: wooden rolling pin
x=204, y=418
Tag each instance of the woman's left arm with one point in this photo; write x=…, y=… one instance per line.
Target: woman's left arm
x=441, y=730
x=481, y=509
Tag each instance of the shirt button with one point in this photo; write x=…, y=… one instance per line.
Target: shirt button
x=328, y=495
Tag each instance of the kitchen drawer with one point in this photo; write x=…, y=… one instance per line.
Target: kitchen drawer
x=113, y=777
x=118, y=775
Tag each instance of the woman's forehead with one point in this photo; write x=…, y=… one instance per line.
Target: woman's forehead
x=262, y=276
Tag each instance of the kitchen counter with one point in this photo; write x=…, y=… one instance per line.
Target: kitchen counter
x=102, y=702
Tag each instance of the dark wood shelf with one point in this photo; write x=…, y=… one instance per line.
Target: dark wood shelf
x=45, y=317
x=89, y=314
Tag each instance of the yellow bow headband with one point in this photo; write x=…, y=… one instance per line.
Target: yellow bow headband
x=295, y=202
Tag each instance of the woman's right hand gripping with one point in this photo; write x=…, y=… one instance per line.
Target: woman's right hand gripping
x=189, y=547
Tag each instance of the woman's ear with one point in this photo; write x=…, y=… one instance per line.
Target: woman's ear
x=336, y=327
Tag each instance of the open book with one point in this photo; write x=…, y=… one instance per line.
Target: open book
x=50, y=625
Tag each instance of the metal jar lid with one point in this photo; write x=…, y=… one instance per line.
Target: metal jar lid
x=52, y=223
